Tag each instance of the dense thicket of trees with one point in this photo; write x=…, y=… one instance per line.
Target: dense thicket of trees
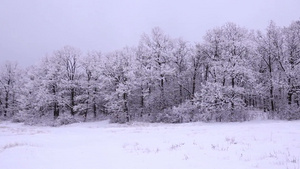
x=163, y=79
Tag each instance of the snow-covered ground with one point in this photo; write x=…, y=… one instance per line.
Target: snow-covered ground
x=100, y=145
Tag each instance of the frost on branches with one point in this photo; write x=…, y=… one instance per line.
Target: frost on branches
x=230, y=74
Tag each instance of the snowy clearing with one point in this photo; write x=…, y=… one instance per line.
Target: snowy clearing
x=98, y=145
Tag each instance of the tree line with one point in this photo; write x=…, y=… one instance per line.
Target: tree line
x=232, y=72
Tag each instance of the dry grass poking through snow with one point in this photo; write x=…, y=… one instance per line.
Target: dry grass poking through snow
x=262, y=144
x=11, y=145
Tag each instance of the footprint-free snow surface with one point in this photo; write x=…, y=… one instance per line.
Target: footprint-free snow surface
x=100, y=145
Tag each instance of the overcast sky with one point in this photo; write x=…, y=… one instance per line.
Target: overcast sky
x=30, y=29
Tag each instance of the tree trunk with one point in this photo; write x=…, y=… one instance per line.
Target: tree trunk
x=194, y=83
x=72, y=101
x=142, y=102
x=162, y=99
x=272, y=99
x=271, y=86
x=86, y=111
x=94, y=103
x=95, y=110
x=55, y=107
x=233, y=94
x=56, y=110
x=206, y=73
x=290, y=94
x=125, y=109
x=180, y=94
x=0, y=106
x=6, y=103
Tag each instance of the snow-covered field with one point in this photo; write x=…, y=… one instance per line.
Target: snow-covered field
x=100, y=145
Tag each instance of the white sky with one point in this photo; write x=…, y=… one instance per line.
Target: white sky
x=29, y=29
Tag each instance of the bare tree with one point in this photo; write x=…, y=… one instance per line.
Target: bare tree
x=68, y=57
x=8, y=86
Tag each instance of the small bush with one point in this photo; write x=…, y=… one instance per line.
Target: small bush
x=289, y=112
x=181, y=114
x=120, y=117
x=65, y=119
x=20, y=117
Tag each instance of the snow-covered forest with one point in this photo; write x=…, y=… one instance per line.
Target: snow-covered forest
x=231, y=72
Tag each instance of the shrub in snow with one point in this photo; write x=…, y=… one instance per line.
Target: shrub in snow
x=168, y=116
x=180, y=114
x=20, y=117
x=237, y=115
x=27, y=117
x=64, y=119
x=189, y=111
x=119, y=117
x=289, y=112
x=216, y=102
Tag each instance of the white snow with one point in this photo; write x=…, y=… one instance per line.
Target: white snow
x=100, y=145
